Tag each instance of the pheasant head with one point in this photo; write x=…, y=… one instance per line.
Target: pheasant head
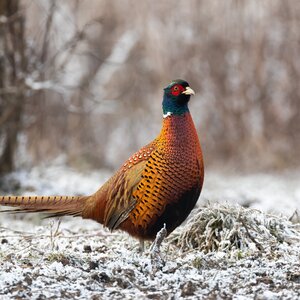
x=176, y=97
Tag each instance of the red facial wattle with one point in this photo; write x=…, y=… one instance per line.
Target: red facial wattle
x=177, y=89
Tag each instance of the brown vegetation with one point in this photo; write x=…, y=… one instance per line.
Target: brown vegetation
x=76, y=77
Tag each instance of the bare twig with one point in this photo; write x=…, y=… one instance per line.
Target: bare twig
x=47, y=31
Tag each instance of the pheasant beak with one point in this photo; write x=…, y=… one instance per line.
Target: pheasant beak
x=188, y=91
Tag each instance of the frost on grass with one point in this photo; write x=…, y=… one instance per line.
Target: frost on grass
x=214, y=255
x=221, y=252
x=228, y=228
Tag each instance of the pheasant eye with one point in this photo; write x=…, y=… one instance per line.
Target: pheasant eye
x=177, y=89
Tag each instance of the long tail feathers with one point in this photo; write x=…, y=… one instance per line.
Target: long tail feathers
x=53, y=206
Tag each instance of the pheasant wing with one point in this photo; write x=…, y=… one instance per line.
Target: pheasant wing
x=120, y=197
x=120, y=201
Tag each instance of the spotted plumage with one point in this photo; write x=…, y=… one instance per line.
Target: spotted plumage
x=159, y=184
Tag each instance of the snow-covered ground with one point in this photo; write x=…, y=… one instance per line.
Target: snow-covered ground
x=78, y=259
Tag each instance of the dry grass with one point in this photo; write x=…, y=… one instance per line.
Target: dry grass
x=228, y=228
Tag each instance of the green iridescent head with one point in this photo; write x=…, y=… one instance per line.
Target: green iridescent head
x=176, y=97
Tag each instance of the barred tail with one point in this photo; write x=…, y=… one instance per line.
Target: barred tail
x=52, y=205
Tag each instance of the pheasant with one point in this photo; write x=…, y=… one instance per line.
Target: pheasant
x=159, y=184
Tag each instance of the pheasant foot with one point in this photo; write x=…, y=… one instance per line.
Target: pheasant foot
x=157, y=261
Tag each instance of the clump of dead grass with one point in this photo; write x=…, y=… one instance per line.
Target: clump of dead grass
x=225, y=228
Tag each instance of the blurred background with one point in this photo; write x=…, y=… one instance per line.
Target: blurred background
x=81, y=81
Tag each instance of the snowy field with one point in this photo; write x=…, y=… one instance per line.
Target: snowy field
x=76, y=259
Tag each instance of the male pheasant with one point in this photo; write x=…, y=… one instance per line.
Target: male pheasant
x=160, y=184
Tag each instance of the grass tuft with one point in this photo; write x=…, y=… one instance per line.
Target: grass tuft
x=231, y=227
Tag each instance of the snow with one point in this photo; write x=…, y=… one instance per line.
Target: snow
x=79, y=259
